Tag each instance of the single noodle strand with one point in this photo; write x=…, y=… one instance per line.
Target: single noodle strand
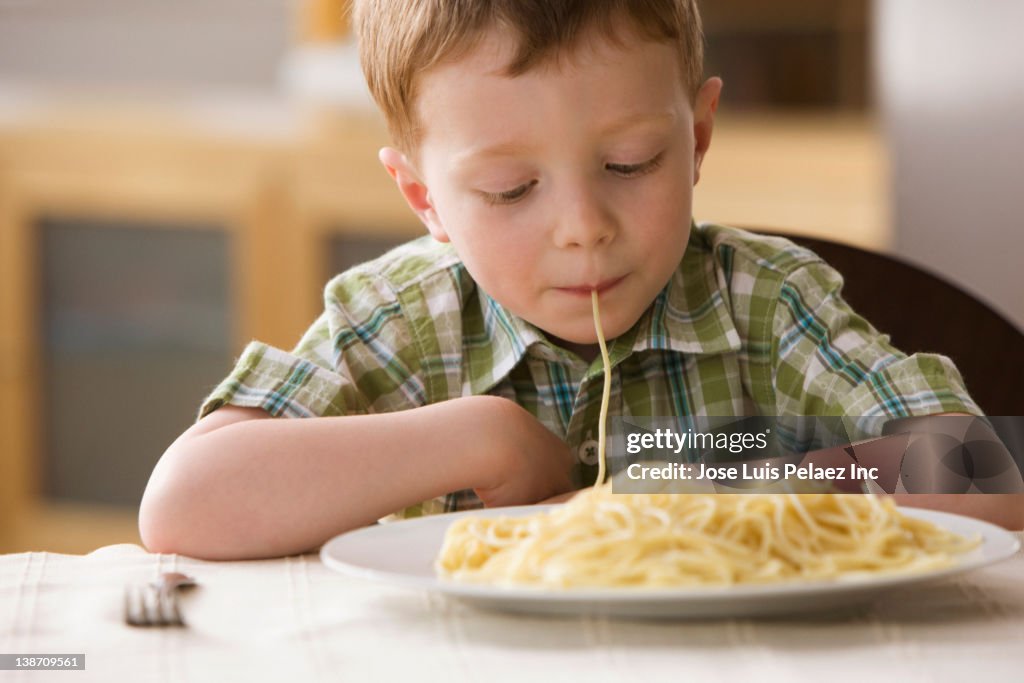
x=602, y=467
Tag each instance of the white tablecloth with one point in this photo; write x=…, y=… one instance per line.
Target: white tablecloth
x=293, y=619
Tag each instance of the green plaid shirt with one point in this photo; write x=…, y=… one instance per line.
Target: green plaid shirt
x=748, y=325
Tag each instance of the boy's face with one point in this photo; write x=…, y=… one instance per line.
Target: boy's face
x=573, y=176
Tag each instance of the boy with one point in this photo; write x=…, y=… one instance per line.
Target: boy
x=550, y=149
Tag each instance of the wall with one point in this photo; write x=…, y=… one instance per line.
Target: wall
x=951, y=90
x=144, y=43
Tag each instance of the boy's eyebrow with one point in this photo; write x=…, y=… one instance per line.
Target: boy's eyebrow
x=513, y=148
x=503, y=149
x=640, y=118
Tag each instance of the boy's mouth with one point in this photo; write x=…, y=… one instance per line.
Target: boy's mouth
x=601, y=287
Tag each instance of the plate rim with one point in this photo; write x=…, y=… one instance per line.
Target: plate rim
x=998, y=545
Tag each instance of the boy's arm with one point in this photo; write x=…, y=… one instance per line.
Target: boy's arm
x=1004, y=509
x=833, y=362
x=885, y=454
x=239, y=484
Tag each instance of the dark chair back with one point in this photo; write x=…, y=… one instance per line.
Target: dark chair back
x=923, y=312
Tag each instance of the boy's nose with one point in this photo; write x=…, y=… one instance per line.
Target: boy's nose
x=584, y=221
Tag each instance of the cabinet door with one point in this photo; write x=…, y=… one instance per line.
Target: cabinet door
x=135, y=329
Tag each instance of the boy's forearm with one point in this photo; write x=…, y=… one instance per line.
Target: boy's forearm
x=884, y=457
x=270, y=487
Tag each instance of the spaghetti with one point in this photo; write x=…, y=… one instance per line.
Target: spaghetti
x=600, y=539
x=602, y=466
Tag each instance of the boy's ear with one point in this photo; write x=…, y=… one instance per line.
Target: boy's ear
x=704, y=121
x=412, y=188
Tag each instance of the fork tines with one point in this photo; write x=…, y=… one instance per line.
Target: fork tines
x=149, y=605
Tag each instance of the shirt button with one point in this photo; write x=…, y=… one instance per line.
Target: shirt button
x=587, y=453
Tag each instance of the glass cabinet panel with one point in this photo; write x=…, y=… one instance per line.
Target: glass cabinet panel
x=136, y=327
x=346, y=251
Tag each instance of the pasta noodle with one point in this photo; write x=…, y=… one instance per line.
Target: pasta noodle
x=600, y=539
x=649, y=540
x=602, y=462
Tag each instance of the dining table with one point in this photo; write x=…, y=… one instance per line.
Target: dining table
x=295, y=619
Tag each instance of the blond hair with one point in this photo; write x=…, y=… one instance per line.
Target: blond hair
x=401, y=39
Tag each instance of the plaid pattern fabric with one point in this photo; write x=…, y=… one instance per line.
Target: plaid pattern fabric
x=747, y=325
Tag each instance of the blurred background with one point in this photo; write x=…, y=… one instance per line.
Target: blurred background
x=179, y=178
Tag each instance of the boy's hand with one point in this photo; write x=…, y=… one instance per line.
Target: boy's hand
x=561, y=498
x=523, y=462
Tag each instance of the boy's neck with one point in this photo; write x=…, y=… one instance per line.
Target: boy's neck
x=587, y=352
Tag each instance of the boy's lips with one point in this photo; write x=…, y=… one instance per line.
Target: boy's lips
x=601, y=287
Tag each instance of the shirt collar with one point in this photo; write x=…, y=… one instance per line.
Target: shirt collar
x=495, y=341
x=690, y=315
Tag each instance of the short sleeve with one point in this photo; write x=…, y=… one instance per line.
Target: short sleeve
x=357, y=358
x=300, y=383
x=830, y=361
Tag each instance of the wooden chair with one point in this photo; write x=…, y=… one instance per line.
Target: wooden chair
x=921, y=311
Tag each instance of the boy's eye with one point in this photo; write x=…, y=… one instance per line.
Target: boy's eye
x=509, y=196
x=624, y=170
x=634, y=170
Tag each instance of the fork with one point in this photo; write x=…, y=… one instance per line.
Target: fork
x=156, y=603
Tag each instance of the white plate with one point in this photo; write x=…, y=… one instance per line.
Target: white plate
x=403, y=553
